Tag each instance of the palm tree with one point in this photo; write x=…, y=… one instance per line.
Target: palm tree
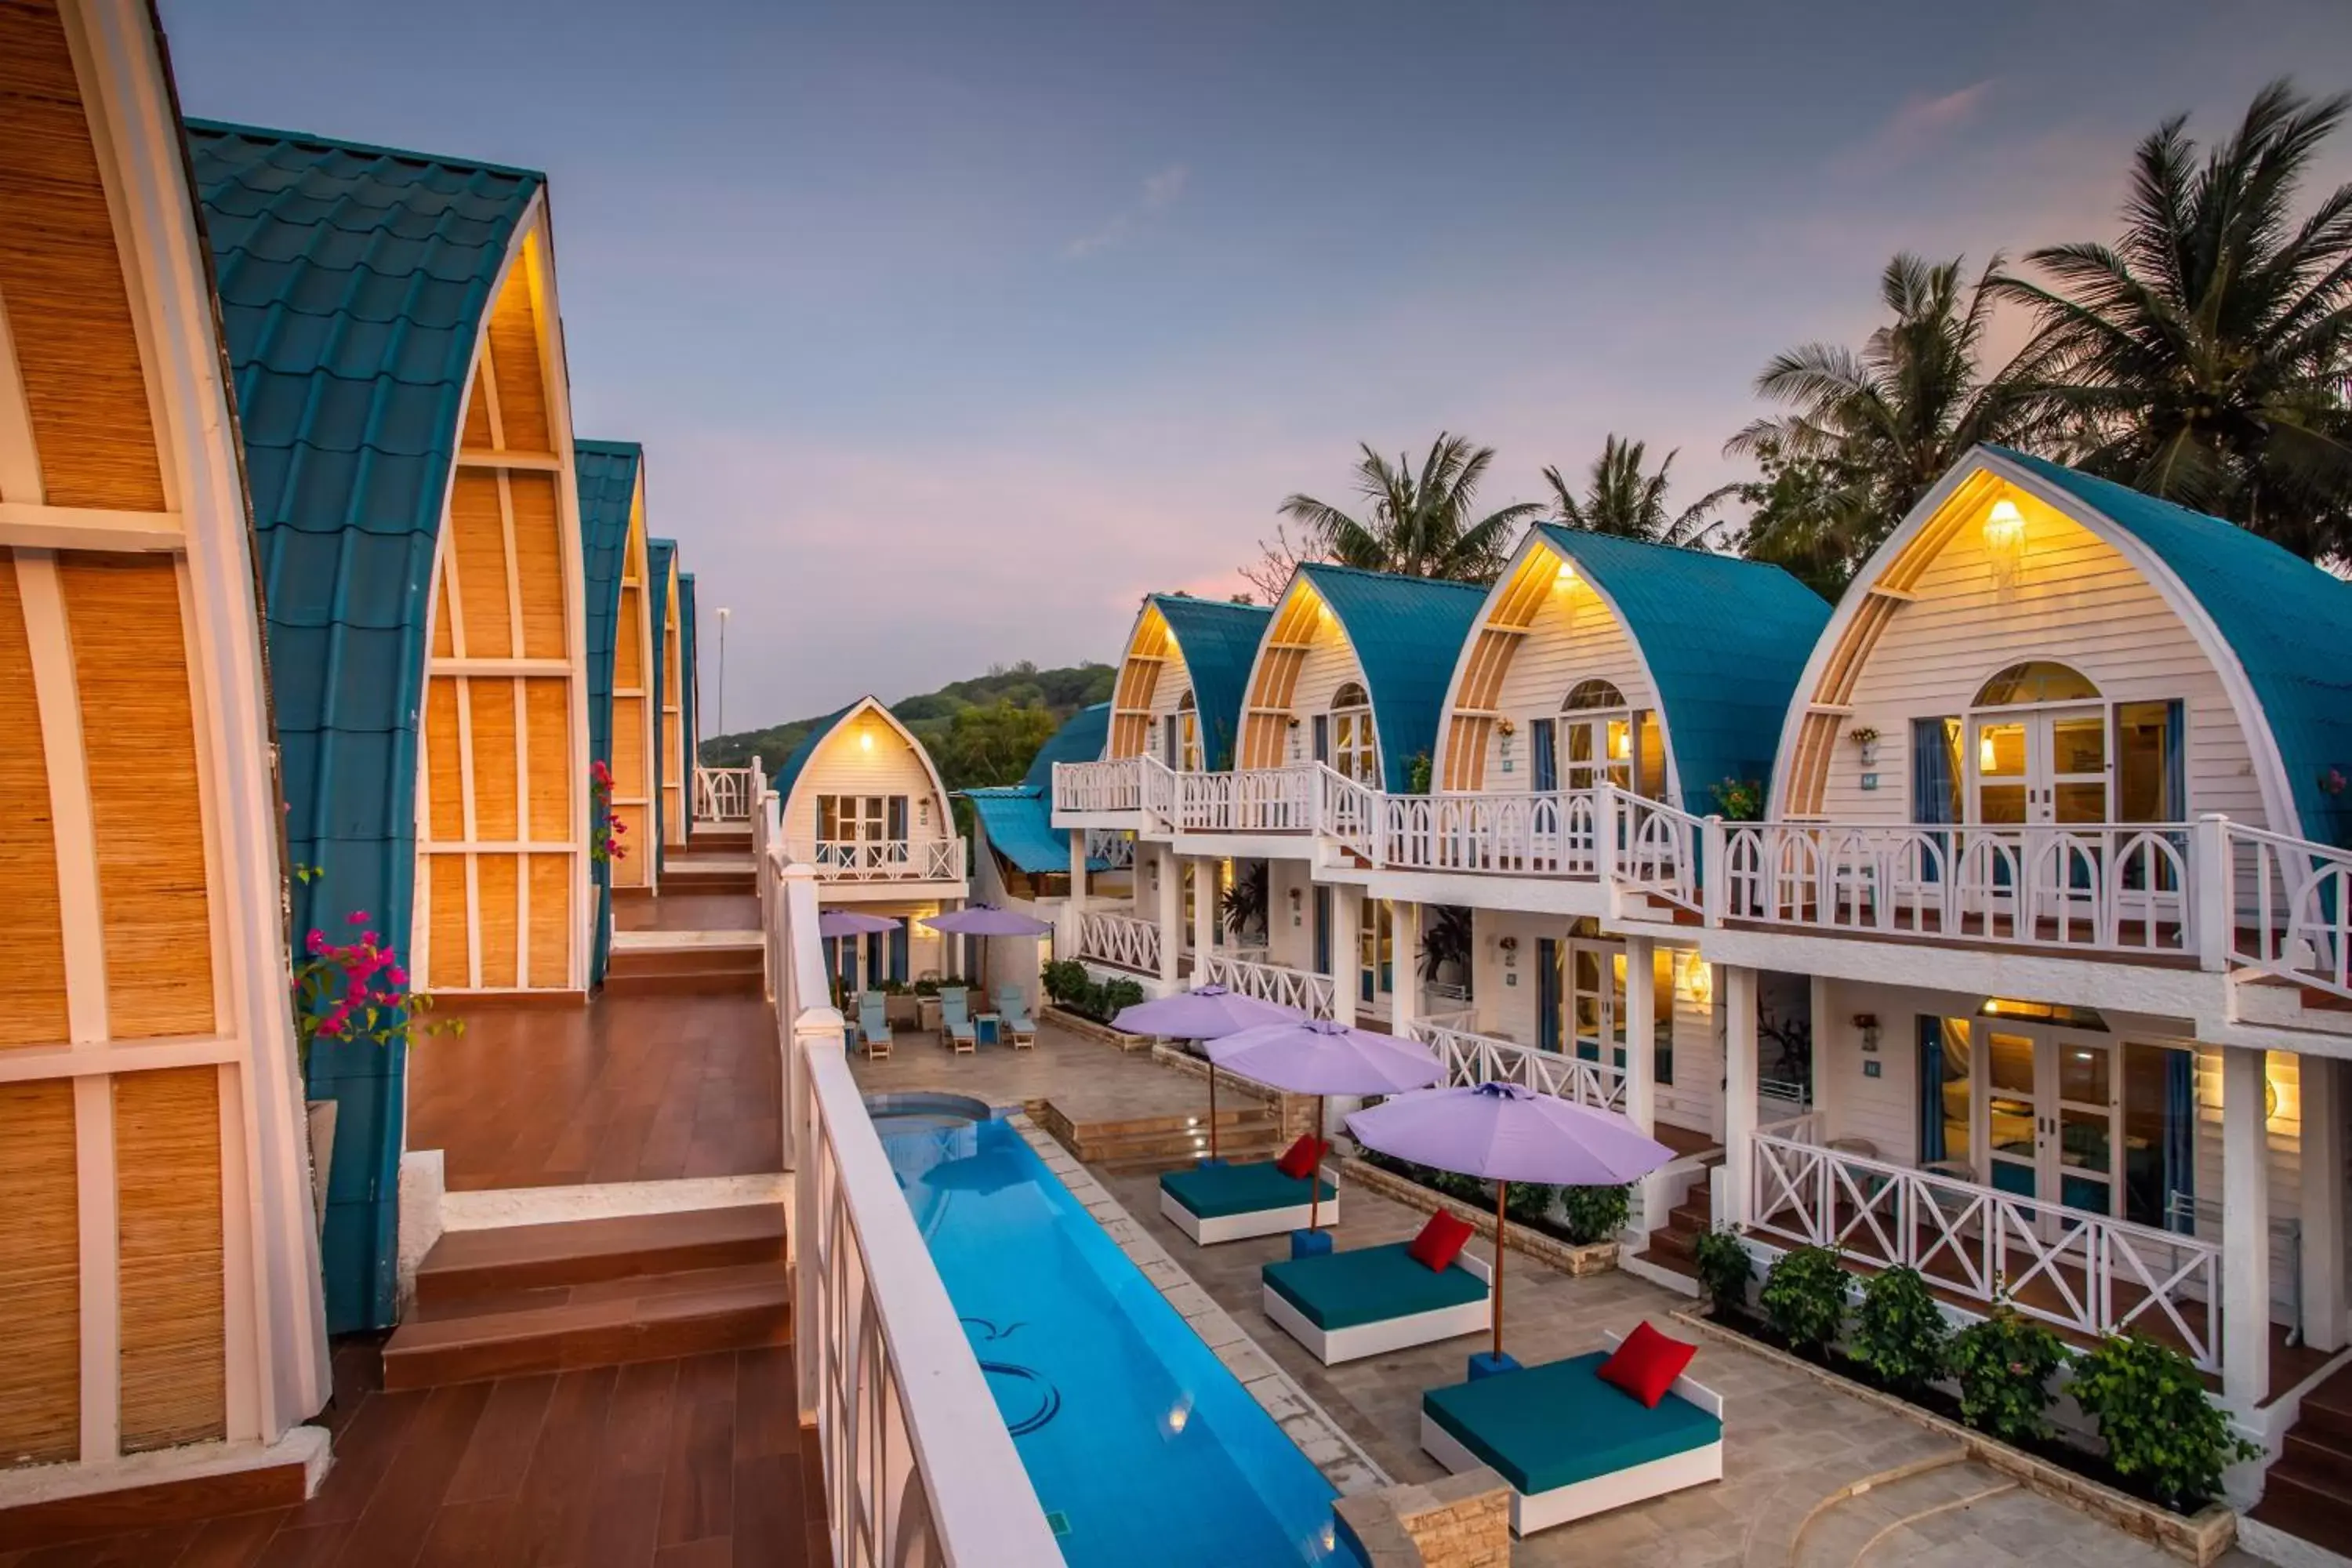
x=1621, y=498
x=1887, y=422
x=2203, y=356
x=1418, y=524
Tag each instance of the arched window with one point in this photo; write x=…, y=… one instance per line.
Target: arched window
x=1355, y=750
x=1597, y=737
x=2047, y=764
x=1188, y=734
x=1590, y=694
x=2036, y=680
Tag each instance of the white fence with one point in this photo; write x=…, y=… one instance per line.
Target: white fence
x=2079, y=1270
x=1310, y=993
x=919, y=1468
x=2290, y=908
x=1260, y=799
x=1123, y=942
x=881, y=859
x=724, y=795
x=1116, y=785
x=1114, y=846
x=1473, y=1058
x=1515, y=835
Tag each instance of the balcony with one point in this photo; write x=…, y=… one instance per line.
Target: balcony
x=880, y=860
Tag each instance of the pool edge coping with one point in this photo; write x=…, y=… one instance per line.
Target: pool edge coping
x=1341, y=1459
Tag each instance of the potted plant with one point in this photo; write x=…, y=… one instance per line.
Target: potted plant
x=1866, y=738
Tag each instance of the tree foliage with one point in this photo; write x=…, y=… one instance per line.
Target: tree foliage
x=1622, y=497
x=1420, y=522
x=1059, y=693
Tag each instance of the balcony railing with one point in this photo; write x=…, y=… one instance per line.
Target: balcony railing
x=1310, y=993
x=1122, y=942
x=1514, y=835
x=723, y=795
x=1114, y=846
x=1473, y=1058
x=880, y=860
x=1116, y=785
x=1259, y=800
x=2290, y=908
x=2081, y=1271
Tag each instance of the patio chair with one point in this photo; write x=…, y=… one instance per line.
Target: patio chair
x=1214, y=1203
x=1367, y=1300
x=1570, y=1445
x=873, y=1026
x=955, y=1019
x=1019, y=1027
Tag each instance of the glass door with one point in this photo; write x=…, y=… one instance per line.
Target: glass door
x=1596, y=1001
x=2052, y=1117
x=2044, y=767
x=2012, y=1113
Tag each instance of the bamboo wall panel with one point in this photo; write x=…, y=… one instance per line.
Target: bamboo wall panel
x=551, y=918
x=514, y=362
x=490, y=707
x=445, y=812
x=62, y=281
x=497, y=913
x=547, y=707
x=444, y=641
x=168, y=1190
x=131, y=664
x=477, y=538
x=40, y=1274
x=629, y=644
x=32, y=927
x=448, y=969
x=629, y=780
x=538, y=565
x=476, y=431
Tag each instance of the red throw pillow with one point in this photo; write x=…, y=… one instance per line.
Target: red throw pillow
x=1440, y=1241
x=1647, y=1363
x=1301, y=1158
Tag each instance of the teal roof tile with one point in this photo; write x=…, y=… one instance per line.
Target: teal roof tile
x=607, y=473
x=659, y=555
x=1725, y=641
x=689, y=688
x=1407, y=633
x=1080, y=739
x=1018, y=819
x=1219, y=641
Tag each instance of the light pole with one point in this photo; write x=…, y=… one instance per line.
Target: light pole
x=723, y=612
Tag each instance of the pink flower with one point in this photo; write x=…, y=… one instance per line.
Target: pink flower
x=397, y=975
x=316, y=942
x=358, y=916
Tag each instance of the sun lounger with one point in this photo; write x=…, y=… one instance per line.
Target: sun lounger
x=873, y=1026
x=1227, y=1202
x=955, y=1020
x=1019, y=1027
x=1571, y=1446
x=1368, y=1300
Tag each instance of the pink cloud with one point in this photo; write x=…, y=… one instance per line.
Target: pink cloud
x=1921, y=123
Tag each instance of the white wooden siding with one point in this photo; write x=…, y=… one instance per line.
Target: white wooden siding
x=1175, y=680
x=842, y=766
x=1575, y=639
x=1329, y=664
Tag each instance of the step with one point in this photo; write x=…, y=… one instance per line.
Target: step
x=651, y=1317
x=468, y=1265
x=2323, y=1458
x=2319, y=1514
x=1677, y=1242
x=684, y=961
x=692, y=983
x=1693, y=1217
x=1671, y=1262
x=2328, y=1409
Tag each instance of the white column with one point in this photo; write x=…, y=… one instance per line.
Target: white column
x=1204, y=915
x=1640, y=1032
x=1073, y=908
x=1404, y=936
x=1347, y=962
x=1825, y=1035
x=2321, y=1081
x=1167, y=868
x=2245, y=1231
x=1736, y=982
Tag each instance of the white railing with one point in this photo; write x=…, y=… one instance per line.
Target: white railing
x=1473, y=1058
x=1114, y=786
x=1310, y=993
x=919, y=1468
x=2290, y=908
x=1347, y=810
x=1114, y=846
x=1122, y=942
x=2079, y=1270
x=1517, y=834
x=723, y=795
x=880, y=860
x=2110, y=887
x=1649, y=847
x=1256, y=800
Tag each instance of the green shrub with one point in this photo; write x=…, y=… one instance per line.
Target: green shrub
x=2162, y=1433
x=2004, y=1364
x=1065, y=979
x=1724, y=1270
x=1595, y=1214
x=1899, y=1331
x=1530, y=1203
x=1117, y=997
x=1804, y=1298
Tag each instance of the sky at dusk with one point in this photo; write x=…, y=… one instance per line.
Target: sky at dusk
x=950, y=330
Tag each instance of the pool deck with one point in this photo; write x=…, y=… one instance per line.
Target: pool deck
x=1788, y=1441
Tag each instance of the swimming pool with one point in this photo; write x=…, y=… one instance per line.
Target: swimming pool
x=1143, y=1449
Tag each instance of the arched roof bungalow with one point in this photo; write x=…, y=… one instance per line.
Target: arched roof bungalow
x=1179, y=690
x=393, y=324
x=159, y=1286
x=1352, y=671
x=1662, y=671
x=613, y=535
x=689, y=692
x=673, y=782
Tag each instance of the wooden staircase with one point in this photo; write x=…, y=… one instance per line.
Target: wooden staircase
x=1249, y=1131
x=685, y=968
x=601, y=1292
x=2308, y=1490
x=1673, y=1246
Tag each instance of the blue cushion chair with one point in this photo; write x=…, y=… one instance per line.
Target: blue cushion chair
x=1214, y=1203
x=1371, y=1300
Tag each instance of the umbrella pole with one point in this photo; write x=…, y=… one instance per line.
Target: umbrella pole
x=1213, y=1110
x=1315, y=1175
x=1501, y=1189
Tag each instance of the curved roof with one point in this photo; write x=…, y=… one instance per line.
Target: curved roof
x=1407, y=633
x=354, y=283
x=607, y=473
x=1018, y=819
x=788, y=777
x=1219, y=641
x=2283, y=617
x=1080, y=739
x=660, y=553
x=1724, y=641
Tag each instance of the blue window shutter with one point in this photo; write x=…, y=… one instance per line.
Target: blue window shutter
x=1170, y=743
x=897, y=818
x=1935, y=793
x=1931, y=1088
x=1543, y=753
x=1322, y=928
x=2180, y=1140
x=899, y=954
x=1547, y=994
x=2176, y=761
x=1322, y=722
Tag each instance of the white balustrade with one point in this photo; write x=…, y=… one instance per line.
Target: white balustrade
x=1114, y=786
x=1310, y=993
x=881, y=859
x=2290, y=908
x=1114, y=846
x=1517, y=834
x=1255, y=800
x=1473, y=1058
x=1123, y=942
x=1350, y=811
x=2068, y=1266
x=723, y=795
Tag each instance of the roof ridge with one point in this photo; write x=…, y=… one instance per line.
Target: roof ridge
x=1479, y=588
x=197, y=125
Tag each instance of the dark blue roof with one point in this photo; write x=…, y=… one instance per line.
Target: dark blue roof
x=2284, y=618
x=1407, y=633
x=659, y=553
x=1725, y=641
x=354, y=282
x=689, y=689
x=1219, y=641
x=1080, y=739
x=607, y=472
x=790, y=774
x=1018, y=817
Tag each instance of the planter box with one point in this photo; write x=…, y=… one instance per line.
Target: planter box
x=903, y=1007
x=1597, y=1257
x=1102, y=1033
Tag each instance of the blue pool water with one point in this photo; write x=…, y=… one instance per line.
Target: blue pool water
x=1143, y=1449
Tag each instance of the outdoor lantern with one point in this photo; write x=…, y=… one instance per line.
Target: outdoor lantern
x=1567, y=573
x=2005, y=538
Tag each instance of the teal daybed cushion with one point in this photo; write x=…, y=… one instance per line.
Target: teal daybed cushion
x=1216, y=1192
x=1557, y=1423
x=1370, y=1285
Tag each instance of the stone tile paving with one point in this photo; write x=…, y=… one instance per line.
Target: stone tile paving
x=1788, y=1441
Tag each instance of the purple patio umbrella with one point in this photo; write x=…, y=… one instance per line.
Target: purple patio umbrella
x=1204, y=1013
x=985, y=921
x=1504, y=1132
x=1320, y=1057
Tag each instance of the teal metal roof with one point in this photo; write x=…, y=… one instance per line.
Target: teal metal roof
x=1725, y=641
x=2284, y=618
x=1219, y=641
x=354, y=282
x=607, y=472
x=1407, y=633
x=1018, y=819
x=790, y=774
x=659, y=553
x=1080, y=739
x=689, y=692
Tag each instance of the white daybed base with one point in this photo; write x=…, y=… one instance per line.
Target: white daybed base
x=1251, y=1222
x=1332, y=1346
